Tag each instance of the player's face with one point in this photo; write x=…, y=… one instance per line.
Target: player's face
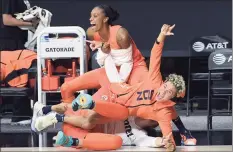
x=97, y=19
x=166, y=91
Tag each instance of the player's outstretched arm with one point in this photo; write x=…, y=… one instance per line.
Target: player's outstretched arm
x=156, y=52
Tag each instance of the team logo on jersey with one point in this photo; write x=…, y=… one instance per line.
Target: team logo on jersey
x=145, y=95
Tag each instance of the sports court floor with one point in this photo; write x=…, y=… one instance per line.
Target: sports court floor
x=179, y=149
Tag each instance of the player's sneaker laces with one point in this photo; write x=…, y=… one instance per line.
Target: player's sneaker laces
x=83, y=101
x=187, y=139
x=45, y=121
x=37, y=112
x=62, y=140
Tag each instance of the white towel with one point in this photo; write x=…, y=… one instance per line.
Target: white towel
x=122, y=58
x=35, y=13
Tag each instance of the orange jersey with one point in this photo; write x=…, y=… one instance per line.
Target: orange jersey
x=140, y=97
x=137, y=56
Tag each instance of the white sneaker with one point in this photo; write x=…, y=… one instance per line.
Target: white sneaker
x=45, y=121
x=37, y=112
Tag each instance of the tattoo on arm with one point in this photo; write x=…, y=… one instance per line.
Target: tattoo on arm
x=123, y=38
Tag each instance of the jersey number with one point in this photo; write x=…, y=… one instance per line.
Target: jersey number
x=145, y=95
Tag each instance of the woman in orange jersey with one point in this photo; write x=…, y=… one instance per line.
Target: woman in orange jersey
x=118, y=38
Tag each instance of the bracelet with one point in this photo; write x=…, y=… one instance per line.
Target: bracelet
x=157, y=41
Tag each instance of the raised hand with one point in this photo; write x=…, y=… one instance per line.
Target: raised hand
x=167, y=29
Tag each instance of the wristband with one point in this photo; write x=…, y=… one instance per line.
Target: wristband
x=157, y=41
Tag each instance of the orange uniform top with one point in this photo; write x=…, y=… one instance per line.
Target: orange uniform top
x=137, y=56
x=140, y=98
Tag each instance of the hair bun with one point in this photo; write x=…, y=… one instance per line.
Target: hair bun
x=115, y=15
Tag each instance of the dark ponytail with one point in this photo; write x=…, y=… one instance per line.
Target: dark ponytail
x=109, y=12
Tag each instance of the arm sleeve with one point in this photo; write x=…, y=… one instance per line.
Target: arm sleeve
x=124, y=59
x=100, y=57
x=111, y=70
x=155, y=62
x=125, y=71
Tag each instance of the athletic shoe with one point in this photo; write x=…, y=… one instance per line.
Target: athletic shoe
x=45, y=121
x=187, y=139
x=37, y=112
x=62, y=140
x=83, y=101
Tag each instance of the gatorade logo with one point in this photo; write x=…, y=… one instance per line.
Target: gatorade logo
x=68, y=49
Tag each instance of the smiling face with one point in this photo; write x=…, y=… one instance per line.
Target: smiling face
x=166, y=92
x=98, y=19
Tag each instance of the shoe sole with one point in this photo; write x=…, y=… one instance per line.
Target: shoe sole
x=34, y=117
x=59, y=137
x=38, y=123
x=191, y=144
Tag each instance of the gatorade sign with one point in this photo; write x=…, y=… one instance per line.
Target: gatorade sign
x=65, y=49
x=56, y=48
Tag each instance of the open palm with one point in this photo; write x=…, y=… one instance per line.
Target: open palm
x=167, y=29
